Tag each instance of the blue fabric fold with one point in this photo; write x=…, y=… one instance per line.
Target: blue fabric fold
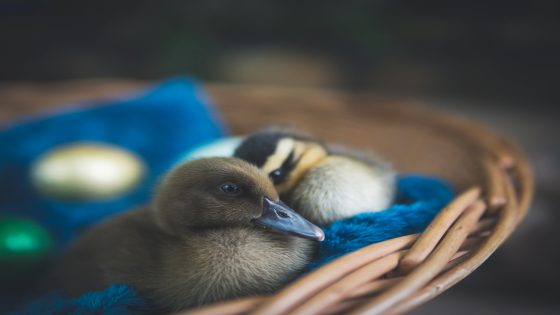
x=118, y=299
x=159, y=125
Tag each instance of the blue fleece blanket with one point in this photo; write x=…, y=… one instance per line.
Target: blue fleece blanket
x=419, y=200
x=158, y=124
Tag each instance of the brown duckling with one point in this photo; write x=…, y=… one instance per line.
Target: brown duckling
x=323, y=182
x=210, y=235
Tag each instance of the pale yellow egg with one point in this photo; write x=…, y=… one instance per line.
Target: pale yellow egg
x=86, y=171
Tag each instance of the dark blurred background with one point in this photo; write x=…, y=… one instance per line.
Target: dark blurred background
x=494, y=61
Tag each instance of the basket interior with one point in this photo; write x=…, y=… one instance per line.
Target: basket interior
x=411, y=142
x=495, y=180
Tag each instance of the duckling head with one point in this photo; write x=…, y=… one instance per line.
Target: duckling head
x=216, y=193
x=284, y=155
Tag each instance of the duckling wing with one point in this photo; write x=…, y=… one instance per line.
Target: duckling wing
x=340, y=187
x=118, y=250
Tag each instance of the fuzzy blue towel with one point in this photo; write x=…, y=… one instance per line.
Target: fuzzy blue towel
x=419, y=200
x=159, y=125
x=116, y=300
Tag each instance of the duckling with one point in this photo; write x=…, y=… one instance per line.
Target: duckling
x=216, y=230
x=323, y=182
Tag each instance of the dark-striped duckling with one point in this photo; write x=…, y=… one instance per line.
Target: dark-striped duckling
x=216, y=230
x=322, y=182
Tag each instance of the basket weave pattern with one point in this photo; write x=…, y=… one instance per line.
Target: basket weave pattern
x=393, y=276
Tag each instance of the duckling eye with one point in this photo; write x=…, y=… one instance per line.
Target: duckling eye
x=279, y=175
x=231, y=189
x=276, y=175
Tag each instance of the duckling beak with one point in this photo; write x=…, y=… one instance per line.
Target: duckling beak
x=280, y=218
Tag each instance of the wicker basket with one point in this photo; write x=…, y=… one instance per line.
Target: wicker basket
x=394, y=276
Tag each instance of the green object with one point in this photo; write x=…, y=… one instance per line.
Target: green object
x=25, y=248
